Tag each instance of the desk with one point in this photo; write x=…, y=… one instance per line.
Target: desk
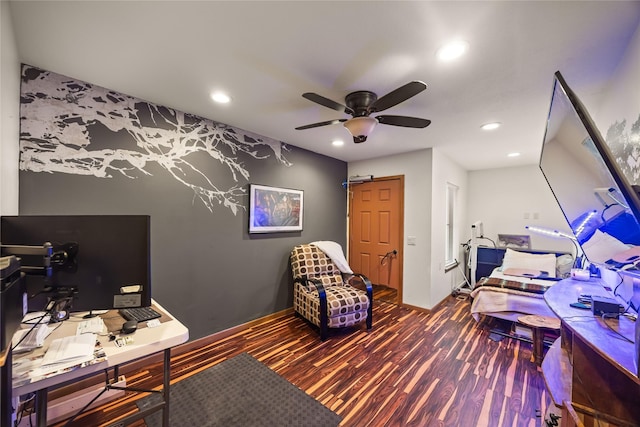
x=147, y=341
x=591, y=369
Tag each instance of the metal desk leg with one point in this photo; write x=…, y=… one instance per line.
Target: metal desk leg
x=6, y=408
x=166, y=391
x=41, y=407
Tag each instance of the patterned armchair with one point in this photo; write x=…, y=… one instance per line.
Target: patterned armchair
x=324, y=295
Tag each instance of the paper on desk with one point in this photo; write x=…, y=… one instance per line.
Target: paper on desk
x=34, y=337
x=75, y=348
x=28, y=369
x=93, y=325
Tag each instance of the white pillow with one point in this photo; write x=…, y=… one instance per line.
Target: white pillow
x=523, y=260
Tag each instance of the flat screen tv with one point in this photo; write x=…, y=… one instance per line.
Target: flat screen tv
x=600, y=205
x=101, y=262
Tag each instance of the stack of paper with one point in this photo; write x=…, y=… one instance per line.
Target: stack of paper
x=94, y=325
x=31, y=338
x=67, y=352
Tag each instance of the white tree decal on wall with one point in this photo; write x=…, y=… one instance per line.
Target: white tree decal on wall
x=60, y=118
x=625, y=145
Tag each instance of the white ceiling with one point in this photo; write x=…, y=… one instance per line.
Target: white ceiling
x=265, y=54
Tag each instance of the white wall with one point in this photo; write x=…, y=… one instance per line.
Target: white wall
x=9, y=114
x=445, y=171
x=507, y=199
x=416, y=168
x=426, y=173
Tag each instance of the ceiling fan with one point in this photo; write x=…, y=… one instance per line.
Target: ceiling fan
x=362, y=103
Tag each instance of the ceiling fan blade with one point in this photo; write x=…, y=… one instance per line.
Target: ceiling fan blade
x=399, y=95
x=404, y=121
x=326, y=102
x=315, y=125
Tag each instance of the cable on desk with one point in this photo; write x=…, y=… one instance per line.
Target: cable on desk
x=604, y=319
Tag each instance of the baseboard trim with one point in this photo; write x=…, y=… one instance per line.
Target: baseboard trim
x=209, y=339
x=426, y=310
x=416, y=308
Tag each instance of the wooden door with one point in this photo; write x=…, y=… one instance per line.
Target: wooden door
x=376, y=230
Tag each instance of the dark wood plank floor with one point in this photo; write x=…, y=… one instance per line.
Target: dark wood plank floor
x=412, y=369
x=385, y=294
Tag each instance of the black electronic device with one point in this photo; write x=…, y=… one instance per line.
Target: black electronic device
x=604, y=306
x=99, y=262
x=129, y=327
x=139, y=314
x=11, y=299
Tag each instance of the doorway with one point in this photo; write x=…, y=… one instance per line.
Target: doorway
x=376, y=227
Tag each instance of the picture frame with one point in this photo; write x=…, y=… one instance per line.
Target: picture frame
x=514, y=241
x=275, y=209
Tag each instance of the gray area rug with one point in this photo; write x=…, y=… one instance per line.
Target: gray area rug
x=240, y=391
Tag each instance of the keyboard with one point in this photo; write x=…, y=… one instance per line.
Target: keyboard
x=141, y=314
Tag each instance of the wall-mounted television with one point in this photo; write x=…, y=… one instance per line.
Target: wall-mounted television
x=600, y=205
x=101, y=262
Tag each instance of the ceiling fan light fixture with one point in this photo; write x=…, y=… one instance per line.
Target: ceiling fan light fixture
x=360, y=127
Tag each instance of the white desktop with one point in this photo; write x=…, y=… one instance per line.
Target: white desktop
x=144, y=342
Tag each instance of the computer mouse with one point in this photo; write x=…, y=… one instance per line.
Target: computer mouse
x=129, y=326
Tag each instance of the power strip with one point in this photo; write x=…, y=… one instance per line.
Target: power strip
x=66, y=406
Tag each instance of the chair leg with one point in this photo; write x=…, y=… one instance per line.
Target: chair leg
x=324, y=316
x=324, y=331
x=370, y=309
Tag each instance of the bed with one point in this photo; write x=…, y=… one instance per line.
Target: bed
x=516, y=287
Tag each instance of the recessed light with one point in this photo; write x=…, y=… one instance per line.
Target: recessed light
x=513, y=155
x=452, y=50
x=220, y=97
x=490, y=126
x=337, y=142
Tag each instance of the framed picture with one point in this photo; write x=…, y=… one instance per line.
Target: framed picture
x=274, y=210
x=515, y=241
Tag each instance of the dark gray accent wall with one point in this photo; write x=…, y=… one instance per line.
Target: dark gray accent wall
x=207, y=269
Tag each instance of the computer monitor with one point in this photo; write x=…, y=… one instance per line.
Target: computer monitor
x=99, y=262
x=600, y=204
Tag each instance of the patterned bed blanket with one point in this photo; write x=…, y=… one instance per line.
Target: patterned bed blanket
x=529, y=287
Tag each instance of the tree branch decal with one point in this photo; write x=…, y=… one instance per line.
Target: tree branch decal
x=625, y=146
x=61, y=118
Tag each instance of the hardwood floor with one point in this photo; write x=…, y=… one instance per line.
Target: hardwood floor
x=412, y=369
x=385, y=294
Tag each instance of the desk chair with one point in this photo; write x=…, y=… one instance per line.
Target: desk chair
x=325, y=296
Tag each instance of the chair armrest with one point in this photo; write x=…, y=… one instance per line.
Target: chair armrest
x=306, y=283
x=324, y=315
x=364, y=280
x=369, y=288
